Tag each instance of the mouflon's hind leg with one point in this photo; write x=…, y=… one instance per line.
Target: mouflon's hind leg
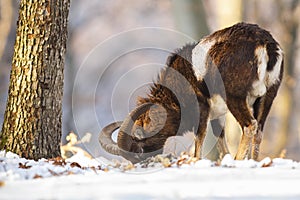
x=256, y=140
x=240, y=110
x=218, y=131
x=246, y=140
x=261, y=110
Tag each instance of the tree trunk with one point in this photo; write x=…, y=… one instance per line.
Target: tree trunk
x=33, y=116
x=190, y=18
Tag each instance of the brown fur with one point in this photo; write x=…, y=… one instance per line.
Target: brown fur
x=182, y=101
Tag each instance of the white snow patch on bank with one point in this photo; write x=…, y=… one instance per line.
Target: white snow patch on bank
x=83, y=178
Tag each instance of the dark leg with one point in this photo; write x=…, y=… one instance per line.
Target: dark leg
x=240, y=110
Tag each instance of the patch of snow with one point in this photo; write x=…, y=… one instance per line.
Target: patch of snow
x=161, y=177
x=227, y=161
x=12, y=167
x=204, y=163
x=82, y=160
x=285, y=163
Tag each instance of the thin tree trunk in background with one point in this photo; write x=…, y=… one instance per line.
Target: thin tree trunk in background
x=6, y=15
x=33, y=116
x=293, y=127
x=191, y=18
x=227, y=16
x=229, y=12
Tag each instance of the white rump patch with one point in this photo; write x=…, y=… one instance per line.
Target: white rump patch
x=199, y=56
x=259, y=86
x=262, y=59
x=273, y=76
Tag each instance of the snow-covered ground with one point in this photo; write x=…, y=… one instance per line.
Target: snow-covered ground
x=163, y=177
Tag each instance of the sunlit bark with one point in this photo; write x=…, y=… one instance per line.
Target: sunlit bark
x=32, y=121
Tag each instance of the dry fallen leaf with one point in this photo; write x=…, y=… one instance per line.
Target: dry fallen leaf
x=58, y=161
x=105, y=169
x=37, y=176
x=75, y=164
x=2, y=183
x=166, y=162
x=70, y=173
x=24, y=166
x=128, y=167
x=267, y=164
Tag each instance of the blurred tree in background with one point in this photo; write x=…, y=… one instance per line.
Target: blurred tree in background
x=6, y=11
x=282, y=19
x=8, y=16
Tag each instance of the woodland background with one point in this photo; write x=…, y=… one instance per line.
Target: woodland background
x=97, y=84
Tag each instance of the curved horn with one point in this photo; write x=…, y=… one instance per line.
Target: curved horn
x=122, y=147
x=130, y=119
x=124, y=137
x=105, y=138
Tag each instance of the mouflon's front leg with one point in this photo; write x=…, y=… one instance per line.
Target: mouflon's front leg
x=218, y=131
x=201, y=132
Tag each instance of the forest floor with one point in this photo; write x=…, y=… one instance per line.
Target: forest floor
x=162, y=177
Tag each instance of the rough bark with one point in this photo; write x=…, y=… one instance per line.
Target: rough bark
x=33, y=116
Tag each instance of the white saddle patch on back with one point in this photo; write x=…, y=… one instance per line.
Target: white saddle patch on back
x=199, y=57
